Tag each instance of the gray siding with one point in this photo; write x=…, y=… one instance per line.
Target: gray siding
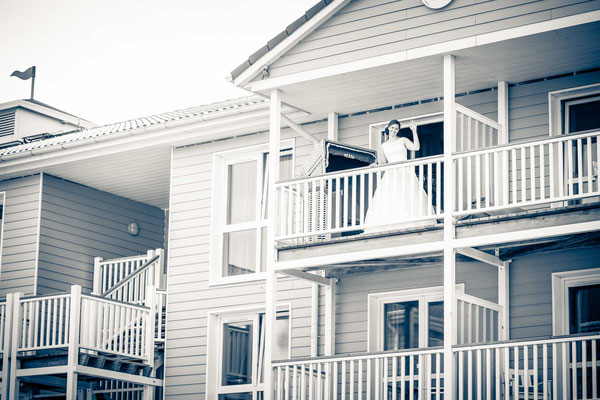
x=531, y=288
x=370, y=28
x=79, y=223
x=19, y=244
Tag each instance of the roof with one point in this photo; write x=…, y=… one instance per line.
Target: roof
x=47, y=110
x=157, y=120
x=289, y=30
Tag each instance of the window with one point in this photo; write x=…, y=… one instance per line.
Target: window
x=574, y=109
x=240, y=211
x=237, y=360
x=576, y=301
x=407, y=319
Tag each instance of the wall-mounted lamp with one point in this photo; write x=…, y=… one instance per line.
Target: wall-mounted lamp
x=133, y=229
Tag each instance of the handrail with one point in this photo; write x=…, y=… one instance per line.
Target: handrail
x=114, y=301
x=132, y=275
x=479, y=302
x=511, y=146
x=528, y=341
x=481, y=118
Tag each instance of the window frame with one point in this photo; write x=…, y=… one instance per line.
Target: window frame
x=376, y=313
x=221, y=162
x=214, y=356
x=576, y=101
x=561, y=283
x=557, y=99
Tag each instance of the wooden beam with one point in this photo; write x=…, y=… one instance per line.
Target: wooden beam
x=561, y=244
x=314, y=320
x=332, y=126
x=121, y=376
x=503, y=137
x=330, y=295
x=306, y=276
x=57, y=369
x=299, y=130
x=503, y=300
x=481, y=256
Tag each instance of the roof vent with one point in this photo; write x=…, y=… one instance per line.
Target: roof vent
x=7, y=122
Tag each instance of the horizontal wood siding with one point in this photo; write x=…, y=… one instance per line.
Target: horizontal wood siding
x=370, y=28
x=352, y=299
x=21, y=220
x=79, y=223
x=190, y=296
x=531, y=288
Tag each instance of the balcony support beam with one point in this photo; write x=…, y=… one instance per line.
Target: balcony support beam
x=481, y=256
x=318, y=279
x=449, y=228
x=298, y=129
x=332, y=126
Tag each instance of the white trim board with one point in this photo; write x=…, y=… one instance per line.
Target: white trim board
x=426, y=51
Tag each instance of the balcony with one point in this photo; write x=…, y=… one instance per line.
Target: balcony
x=491, y=183
x=552, y=368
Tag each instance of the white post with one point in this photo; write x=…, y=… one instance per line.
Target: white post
x=271, y=285
x=449, y=232
x=503, y=300
x=6, y=346
x=73, y=355
x=314, y=320
x=503, y=112
x=97, y=284
x=330, y=293
x=148, y=393
x=159, y=269
x=14, y=346
x=332, y=126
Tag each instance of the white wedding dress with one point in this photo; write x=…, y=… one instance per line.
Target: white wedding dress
x=399, y=197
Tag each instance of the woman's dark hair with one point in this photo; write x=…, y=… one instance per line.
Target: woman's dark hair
x=386, y=131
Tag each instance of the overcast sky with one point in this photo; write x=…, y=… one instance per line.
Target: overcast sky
x=111, y=60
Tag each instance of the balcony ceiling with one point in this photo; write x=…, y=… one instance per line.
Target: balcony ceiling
x=515, y=60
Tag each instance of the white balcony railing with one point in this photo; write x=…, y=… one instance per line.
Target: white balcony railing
x=556, y=368
x=475, y=131
x=527, y=174
x=390, y=375
x=329, y=205
x=478, y=320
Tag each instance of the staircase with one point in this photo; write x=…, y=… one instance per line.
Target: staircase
x=105, y=345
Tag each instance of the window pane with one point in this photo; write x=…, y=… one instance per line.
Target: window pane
x=282, y=337
x=584, y=116
x=584, y=307
x=236, y=396
x=241, y=192
x=286, y=164
x=237, y=353
x=263, y=250
x=436, y=323
x=239, y=252
x=401, y=325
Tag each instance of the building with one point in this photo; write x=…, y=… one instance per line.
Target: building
x=283, y=282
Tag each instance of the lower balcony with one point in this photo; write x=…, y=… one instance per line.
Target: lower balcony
x=565, y=367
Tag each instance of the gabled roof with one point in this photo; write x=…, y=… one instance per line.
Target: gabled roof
x=291, y=31
x=155, y=121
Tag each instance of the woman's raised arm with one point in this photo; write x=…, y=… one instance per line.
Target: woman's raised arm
x=413, y=145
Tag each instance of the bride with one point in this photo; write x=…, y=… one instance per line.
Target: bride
x=399, y=196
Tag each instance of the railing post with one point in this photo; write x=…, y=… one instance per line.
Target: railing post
x=150, y=337
x=6, y=344
x=73, y=355
x=97, y=284
x=159, y=269
x=503, y=300
x=14, y=347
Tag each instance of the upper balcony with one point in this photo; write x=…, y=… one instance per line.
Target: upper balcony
x=397, y=209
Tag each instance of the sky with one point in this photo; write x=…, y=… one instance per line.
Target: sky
x=112, y=60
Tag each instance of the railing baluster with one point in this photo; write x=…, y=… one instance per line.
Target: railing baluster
x=579, y=167
x=369, y=380
x=535, y=371
x=469, y=184
x=532, y=171
x=310, y=381
x=506, y=373
x=590, y=170
x=322, y=211
x=574, y=369
x=523, y=175
x=353, y=199
x=486, y=179
x=351, y=380
x=571, y=174
x=594, y=370
x=394, y=377
x=411, y=370
x=545, y=371
x=525, y=372
x=377, y=378
x=542, y=172
x=429, y=188
x=346, y=202
x=335, y=380
x=470, y=375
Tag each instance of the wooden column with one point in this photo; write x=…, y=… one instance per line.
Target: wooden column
x=314, y=320
x=332, y=126
x=271, y=286
x=8, y=321
x=503, y=137
x=73, y=354
x=449, y=232
x=330, y=293
x=503, y=300
x=17, y=317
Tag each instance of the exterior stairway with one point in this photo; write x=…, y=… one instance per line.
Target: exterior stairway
x=108, y=344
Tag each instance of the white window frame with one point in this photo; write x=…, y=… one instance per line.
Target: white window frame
x=557, y=98
x=2, y=216
x=221, y=161
x=561, y=283
x=422, y=119
x=376, y=317
x=214, y=352
x=568, y=104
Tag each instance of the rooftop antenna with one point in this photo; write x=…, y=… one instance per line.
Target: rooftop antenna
x=29, y=73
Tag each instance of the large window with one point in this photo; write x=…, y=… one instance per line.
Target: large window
x=576, y=301
x=407, y=319
x=237, y=358
x=240, y=212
